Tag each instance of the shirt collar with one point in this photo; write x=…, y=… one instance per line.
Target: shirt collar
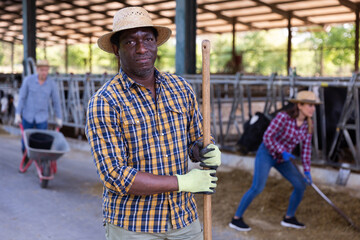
x=127, y=82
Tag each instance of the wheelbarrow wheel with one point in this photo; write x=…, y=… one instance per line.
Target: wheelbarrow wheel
x=45, y=165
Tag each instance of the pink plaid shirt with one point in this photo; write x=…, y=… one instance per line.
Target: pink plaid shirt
x=283, y=135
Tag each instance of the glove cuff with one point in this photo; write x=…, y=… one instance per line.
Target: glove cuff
x=179, y=182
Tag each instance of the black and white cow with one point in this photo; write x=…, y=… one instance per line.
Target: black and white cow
x=7, y=107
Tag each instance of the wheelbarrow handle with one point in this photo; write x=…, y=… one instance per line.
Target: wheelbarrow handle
x=22, y=130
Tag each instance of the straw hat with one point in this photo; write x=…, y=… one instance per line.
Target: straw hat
x=42, y=63
x=129, y=18
x=305, y=97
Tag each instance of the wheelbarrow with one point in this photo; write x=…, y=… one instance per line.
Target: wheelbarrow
x=44, y=157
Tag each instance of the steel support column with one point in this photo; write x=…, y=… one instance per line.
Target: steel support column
x=29, y=29
x=45, y=52
x=12, y=56
x=356, y=68
x=185, y=21
x=233, y=38
x=66, y=56
x=90, y=55
x=288, y=65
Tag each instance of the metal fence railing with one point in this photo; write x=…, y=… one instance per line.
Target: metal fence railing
x=235, y=98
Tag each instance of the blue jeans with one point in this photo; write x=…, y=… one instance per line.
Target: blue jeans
x=27, y=125
x=263, y=163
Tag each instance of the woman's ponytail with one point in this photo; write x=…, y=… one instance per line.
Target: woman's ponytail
x=310, y=125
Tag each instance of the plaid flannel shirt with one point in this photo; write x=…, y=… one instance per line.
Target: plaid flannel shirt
x=283, y=135
x=128, y=133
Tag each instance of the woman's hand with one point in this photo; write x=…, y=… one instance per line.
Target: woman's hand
x=286, y=156
x=308, y=178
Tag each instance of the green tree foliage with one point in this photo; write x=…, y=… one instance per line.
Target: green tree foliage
x=166, y=57
x=262, y=52
x=321, y=52
x=314, y=52
x=5, y=57
x=336, y=48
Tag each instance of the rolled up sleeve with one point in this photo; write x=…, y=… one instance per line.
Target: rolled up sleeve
x=108, y=147
x=274, y=147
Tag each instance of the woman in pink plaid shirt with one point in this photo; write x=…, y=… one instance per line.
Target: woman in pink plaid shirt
x=288, y=129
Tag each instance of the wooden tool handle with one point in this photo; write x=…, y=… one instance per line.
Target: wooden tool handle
x=206, y=127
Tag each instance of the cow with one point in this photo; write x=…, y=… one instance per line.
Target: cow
x=7, y=107
x=334, y=100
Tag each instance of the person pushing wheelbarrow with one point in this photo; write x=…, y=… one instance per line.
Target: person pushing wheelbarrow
x=36, y=91
x=32, y=112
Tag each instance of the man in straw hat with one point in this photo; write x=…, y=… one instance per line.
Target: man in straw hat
x=286, y=130
x=34, y=98
x=142, y=126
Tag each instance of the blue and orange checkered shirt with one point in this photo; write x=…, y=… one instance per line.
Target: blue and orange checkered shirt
x=129, y=132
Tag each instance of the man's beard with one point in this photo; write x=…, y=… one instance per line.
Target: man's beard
x=144, y=72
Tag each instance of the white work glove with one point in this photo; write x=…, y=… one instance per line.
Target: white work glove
x=58, y=122
x=210, y=157
x=17, y=120
x=197, y=181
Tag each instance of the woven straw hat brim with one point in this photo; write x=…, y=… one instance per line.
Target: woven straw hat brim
x=42, y=63
x=305, y=97
x=304, y=101
x=104, y=43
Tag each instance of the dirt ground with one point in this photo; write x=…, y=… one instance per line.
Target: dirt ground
x=266, y=211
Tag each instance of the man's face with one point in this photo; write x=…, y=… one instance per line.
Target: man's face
x=138, y=51
x=43, y=71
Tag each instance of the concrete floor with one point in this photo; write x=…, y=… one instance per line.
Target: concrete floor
x=70, y=208
x=63, y=211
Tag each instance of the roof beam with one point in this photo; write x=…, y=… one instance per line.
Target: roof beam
x=353, y=6
x=228, y=19
x=284, y=13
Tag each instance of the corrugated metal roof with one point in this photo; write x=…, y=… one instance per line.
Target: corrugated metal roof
x=78, y=20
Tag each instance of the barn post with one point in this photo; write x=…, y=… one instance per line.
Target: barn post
x=90, y=55
x=29, y=30
x=45, y=53
x=233, y=38
x=66, y=55
x=289, y=44
x=12, y=55
x=356, y=68
x=185, y=20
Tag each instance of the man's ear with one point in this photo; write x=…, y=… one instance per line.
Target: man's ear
x=115, y=49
